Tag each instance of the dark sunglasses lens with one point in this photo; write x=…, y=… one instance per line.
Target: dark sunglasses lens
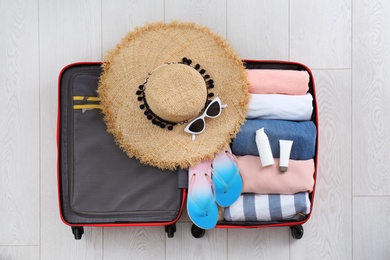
x=197, y=126
x=214, y=109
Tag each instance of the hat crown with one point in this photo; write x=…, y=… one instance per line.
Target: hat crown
x=176, y=92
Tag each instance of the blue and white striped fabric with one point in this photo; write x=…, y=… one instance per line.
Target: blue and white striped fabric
x=272, y=207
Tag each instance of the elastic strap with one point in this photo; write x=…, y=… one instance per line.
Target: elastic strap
x=84, y=105
x=85, y=98
x=87, y=106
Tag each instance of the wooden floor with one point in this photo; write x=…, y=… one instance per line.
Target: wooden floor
x=345, y=43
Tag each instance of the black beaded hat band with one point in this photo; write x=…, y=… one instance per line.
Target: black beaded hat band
x=152, y=116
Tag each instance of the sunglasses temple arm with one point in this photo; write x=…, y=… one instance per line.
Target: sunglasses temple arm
x=224, y=106
x=193, y=137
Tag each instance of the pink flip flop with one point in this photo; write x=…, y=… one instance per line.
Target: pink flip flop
x=226, y=177
x=201, y=204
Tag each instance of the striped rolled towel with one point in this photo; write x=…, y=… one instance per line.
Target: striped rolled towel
x=273, y=207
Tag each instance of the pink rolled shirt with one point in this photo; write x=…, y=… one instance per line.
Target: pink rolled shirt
x=270, y=180
x=268, y=81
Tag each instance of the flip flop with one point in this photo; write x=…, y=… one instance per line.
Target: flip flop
x=201, y=205
x=227, y=178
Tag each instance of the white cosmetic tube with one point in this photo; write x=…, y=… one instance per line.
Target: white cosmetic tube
x=285, y=150
x=264, y=148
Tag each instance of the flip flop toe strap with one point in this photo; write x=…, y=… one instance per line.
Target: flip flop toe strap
x=226, y=185
x=207, y=209
x=217, y=176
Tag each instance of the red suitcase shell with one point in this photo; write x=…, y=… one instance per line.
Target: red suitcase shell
x=85, y=75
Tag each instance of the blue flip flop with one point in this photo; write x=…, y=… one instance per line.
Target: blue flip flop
x=201, y=204
x=227, y=178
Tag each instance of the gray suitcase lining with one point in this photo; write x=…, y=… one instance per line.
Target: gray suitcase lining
x=99, y=183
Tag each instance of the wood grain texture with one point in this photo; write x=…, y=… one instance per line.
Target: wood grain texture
x=352, y=202
x=19, y=123
x=258, y=29
x=58, y=242
x=121, y=16
x=19, y=253
x=371, y=225
x=328, y=233
x=211, y=13
x=69, y=31
x=184, y=246
x=320, y=33
x=134, y=243
x=264, y=243
x=371, y=93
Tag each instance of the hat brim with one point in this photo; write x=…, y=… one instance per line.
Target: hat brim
x=146, y=48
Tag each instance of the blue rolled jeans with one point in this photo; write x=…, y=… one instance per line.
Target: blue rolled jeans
x=302, y=133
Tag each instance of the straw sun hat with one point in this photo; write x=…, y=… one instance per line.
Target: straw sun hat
x=173, y=94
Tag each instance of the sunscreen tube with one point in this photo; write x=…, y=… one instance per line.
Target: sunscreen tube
x=285, y=150
x=264, y=148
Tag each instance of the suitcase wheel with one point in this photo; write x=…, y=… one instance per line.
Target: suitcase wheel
x=78, y=232
x=297, y=231
x=170, y=230
x=197, y=232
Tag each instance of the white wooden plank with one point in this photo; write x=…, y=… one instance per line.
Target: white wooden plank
x=121, y=16
x=328, y=233
x=134, y=243
x=320, y=33
x=19, y=252
x=184, y=246
x=371, y=76
x=19, y=123
x=69, y=31
x=205, y=12
x=264, y=243
x=58, y=242
x=371, y=228
x=258, y=29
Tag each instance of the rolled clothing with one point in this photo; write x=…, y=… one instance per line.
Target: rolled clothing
x=270, y=180
x=278, y=106
x=268, y=81
x=302, y=133
x=259, y=207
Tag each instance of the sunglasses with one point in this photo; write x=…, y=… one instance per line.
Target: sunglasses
x=198, y=125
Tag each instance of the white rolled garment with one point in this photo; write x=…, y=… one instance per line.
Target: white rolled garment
x=280, y=106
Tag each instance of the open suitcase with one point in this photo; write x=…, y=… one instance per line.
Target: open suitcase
x=100, y=186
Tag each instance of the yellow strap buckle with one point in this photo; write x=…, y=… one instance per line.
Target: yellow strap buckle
x=86, y=106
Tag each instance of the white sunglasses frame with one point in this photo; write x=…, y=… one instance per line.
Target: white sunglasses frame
x=202, y=116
